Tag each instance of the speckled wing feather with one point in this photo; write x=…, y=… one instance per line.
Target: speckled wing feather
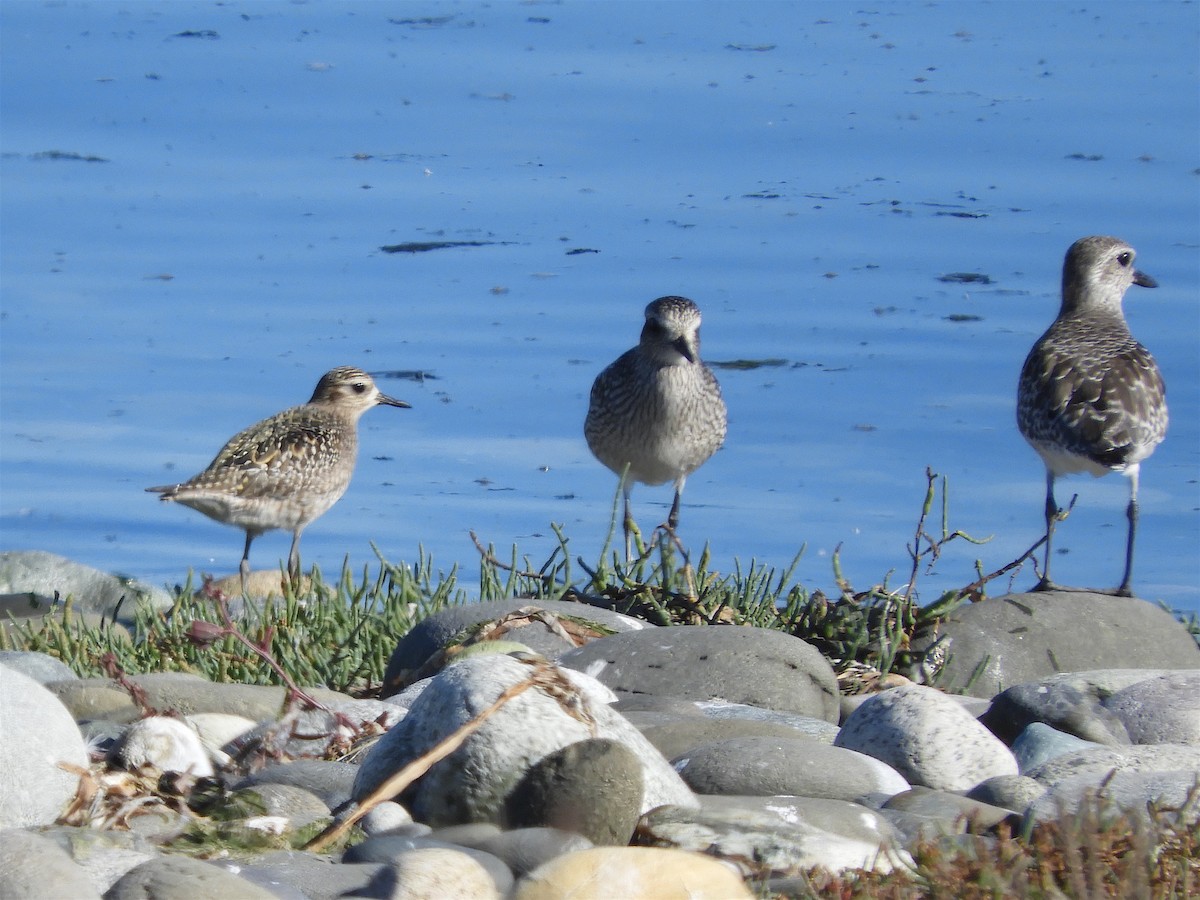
x=1104, y=402
x=288, y=453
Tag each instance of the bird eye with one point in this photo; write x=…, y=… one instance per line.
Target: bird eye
x=359, y=387
x=1125, y=259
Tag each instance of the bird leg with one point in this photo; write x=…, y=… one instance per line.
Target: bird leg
x=1131, y=513
x=294, y=559
x=244, y=568
x=673, y=517
x=1052, y=515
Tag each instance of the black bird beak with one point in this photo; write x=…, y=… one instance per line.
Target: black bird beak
x=684, y=346
x=1144, y=280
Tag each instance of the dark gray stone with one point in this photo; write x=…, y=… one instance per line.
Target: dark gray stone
x=952, y=809
x=767, y=766
x=94, y=698
x=1019, y=638
x=1072, y=702
x=755, y=666
x=299, y=806
x=1040, y=743
x=1008, y=791
x=677, y=738
x=330, y=781
x=313, y=876
x=819, y=729
x=651, y=703
x=592, y=788
x=416, y=653
x=264, y=878
x=390, y=848
x=524, y=849
x=183, y=878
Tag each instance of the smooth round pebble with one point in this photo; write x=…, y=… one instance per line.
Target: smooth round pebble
x=1008, y=791
x=1039, y=743
x=927, y=737
x=763, y=766
x=433, y=873
x=592, y=787
x=605, y=873
x=36, y=735
x=384, y=817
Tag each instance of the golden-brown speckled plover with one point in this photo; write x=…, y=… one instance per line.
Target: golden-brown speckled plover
x=656, y=413
x=289, y=469
x=1091, y=398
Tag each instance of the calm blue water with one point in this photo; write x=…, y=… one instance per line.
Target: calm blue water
x=805, y=172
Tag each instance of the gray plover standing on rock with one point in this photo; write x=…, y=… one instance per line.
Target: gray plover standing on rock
x=289, y=469
x=1091, y=398
x=656, y=413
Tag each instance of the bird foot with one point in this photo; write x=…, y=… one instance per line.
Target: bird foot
x=1044, y=586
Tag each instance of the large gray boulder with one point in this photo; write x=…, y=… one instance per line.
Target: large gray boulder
x=755, y=666
x=30, y=579
x=1005, y=641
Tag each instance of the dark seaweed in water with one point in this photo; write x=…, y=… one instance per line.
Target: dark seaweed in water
x=425, y=246
x=965, y=278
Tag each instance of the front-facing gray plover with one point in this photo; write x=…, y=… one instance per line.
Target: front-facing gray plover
x=656, y=413
x=1091, y=398
x=289, y=469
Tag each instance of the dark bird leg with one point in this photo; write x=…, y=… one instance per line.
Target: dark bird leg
x=244, y=568
x=1052, y=512
x=294, y=558
x=673, y=518
x=1131, y=513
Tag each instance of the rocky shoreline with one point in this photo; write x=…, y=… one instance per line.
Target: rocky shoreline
x=684, y=761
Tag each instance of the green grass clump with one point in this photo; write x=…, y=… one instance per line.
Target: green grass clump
x=337, y=635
